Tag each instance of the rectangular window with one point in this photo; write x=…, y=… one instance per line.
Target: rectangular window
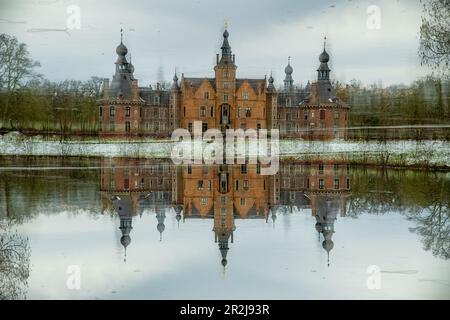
x=321, y=168
x=189, y=169
x=212, y=111
x=127, y=111
x=100, y=111
x=203, y=201
x=225, y=97
x=112, y=126
x=248, y=112
x=321, y=185
x=223, y=200
x=245, y=95
x=243, y=168
x=305, y=114
x=246, y=185
x=190, y=127
x=238, y=112
x=206, y=95
x=258, y=168
x=336, y=168
x=243, y=202
x=204, y=127
x=336, y=184
x=237, y=185
x=348, y=183
x=225, y=85
x=203, y=111
x=127, y=126
x=112, y=111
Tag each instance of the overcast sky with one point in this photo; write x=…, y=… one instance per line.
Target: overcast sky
x=187, y=34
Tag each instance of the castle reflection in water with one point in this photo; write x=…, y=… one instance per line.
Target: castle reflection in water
x=223, y=193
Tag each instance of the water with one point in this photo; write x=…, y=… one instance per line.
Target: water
x=134, y=228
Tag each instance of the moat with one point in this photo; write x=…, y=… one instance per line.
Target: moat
x=131, y=228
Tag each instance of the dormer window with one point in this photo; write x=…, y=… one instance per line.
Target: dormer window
x=245, y=95
x=206, y=95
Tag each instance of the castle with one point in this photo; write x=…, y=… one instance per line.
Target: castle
x=223, y=102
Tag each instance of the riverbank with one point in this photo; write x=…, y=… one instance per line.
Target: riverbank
x=430, y=154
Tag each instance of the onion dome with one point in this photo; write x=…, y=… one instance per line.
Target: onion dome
x=125, y=241
x=224, y=262
x=288, y=70
x=130, y=67
x=324, y=57
x=121, y=49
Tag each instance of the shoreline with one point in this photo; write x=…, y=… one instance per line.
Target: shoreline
x=427, y=154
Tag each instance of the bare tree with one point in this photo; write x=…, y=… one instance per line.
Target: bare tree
x=14, y=265
x=16, y=67
x=434, y=48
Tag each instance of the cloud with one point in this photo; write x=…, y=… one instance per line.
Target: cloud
x=187, y=35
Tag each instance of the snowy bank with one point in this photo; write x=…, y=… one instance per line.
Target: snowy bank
x=427, y=153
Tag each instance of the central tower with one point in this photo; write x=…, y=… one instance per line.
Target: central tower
x=225, y=72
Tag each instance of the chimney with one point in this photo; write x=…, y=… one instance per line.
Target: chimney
x=217, y=58
x=106, y=89
x=134, y=89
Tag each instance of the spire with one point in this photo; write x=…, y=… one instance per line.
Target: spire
x=324, y=70
x=288, y=80
x=175, y=81
x=227, y=58
x=160, y=216
x=271, y=87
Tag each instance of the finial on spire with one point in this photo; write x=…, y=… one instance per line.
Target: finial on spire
x=121, y=34
x=225, y=23
x=289, y=60
x=324, y=42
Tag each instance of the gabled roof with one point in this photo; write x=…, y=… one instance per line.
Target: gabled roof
x=196, y=82
x=253, y=83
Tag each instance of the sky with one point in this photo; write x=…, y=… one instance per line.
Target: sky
x=372, y=41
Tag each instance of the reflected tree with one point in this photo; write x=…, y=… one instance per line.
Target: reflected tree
x=14, y=264
x=421, y=197
x=433, y=225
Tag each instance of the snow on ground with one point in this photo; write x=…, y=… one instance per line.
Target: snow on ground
x=403, y=153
